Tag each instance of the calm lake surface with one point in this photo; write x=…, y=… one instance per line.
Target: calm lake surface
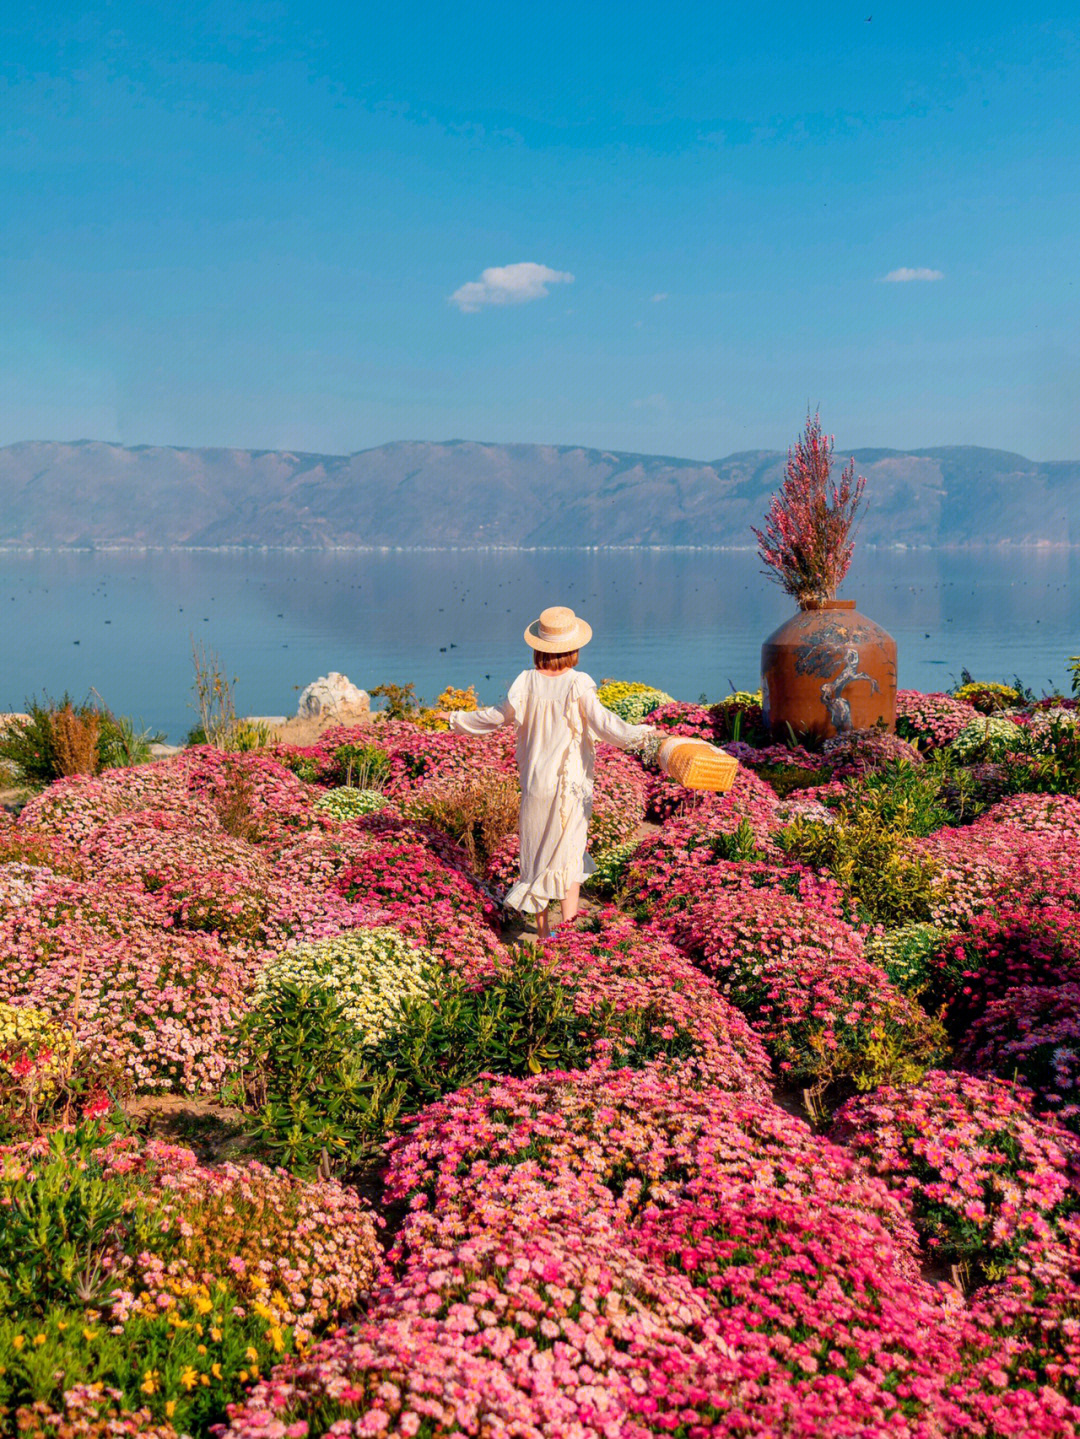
x=689, y=622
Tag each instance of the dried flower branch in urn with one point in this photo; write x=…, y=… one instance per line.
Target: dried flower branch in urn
x=807, y=542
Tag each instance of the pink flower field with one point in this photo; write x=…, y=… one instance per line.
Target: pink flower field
x=300, y=1136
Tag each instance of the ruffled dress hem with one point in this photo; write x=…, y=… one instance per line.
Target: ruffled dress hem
x=534, y=895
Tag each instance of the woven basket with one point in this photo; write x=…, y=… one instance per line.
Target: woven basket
x=697, y=765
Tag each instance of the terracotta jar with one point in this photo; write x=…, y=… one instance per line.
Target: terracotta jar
x=828, y=670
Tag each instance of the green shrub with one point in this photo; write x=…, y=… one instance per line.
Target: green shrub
x=865, y=850
x=59, y=1218
x=521, y=1022
x=906, y=798
x=401, y=702
x=320, y=1106
x=363, y=765
x=36, y=749
x=247, y=735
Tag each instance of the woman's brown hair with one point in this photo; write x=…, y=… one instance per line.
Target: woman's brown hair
x=554, y=663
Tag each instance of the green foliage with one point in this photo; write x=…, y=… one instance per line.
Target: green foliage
x=1055, y=772
x=401, y=701
x=247, y=735
x=738, y=846
x=522, y=1022
x=121, y=745
x=865, y=850
x=58, y=1224
x=30, y=745
x=321, y=1105
x=363, y=765
x=905, y=797
x=155, y=1363
x=327, y=1103
x=1073, y=666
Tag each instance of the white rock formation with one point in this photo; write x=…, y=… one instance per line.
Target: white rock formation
x=330, y=695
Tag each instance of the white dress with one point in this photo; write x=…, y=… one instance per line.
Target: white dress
x=558, y=717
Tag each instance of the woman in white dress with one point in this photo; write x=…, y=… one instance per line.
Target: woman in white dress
x=558, y=718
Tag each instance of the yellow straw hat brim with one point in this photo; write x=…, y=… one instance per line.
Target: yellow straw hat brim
x=573, y=639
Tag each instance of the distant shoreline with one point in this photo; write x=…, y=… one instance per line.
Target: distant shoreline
x=964, y=546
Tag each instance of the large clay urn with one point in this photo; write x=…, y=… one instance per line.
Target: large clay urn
x=828, y=670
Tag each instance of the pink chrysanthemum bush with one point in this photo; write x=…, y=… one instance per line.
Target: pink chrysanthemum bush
x=155, y=848
x=618, y=1254
x=931, y=721
x=984, y=1176
x=1033, y=1032
x=401, y=873
x=740, y=823
x=1001, y=949
x=162, y=1004
x=799, y=973
x=610, y=962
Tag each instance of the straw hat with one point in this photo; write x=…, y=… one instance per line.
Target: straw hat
x=557, y=631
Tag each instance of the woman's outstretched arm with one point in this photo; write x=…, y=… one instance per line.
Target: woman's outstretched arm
x=480, y=721
x=609, y=727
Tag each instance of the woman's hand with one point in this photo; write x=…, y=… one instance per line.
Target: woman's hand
x=443, y=715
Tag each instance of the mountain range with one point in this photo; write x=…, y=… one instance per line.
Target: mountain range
x=463, y=493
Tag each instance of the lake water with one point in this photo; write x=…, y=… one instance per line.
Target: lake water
x=690, y=622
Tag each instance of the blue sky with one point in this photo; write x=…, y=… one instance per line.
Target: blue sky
x=245, y=224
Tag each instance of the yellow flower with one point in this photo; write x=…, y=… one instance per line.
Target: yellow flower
x=189, y=1377
x=89, y=1334
x=252, y=1355
x=203, y=1304
x=200, y=1349
x=215, y=1370
x=61, y=1324
x=242, y=1376
x=170, y=1408
x=274, y=1336
x=19, y=1341
x=39, y=1339
x=149, y=1384
x=215, y=1335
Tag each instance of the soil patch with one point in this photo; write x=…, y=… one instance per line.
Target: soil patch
x=214, y=1131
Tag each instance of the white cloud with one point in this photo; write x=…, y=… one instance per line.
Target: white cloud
x=657, y=404
x=508, y=285
x=899, y=277
x=659, y=296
